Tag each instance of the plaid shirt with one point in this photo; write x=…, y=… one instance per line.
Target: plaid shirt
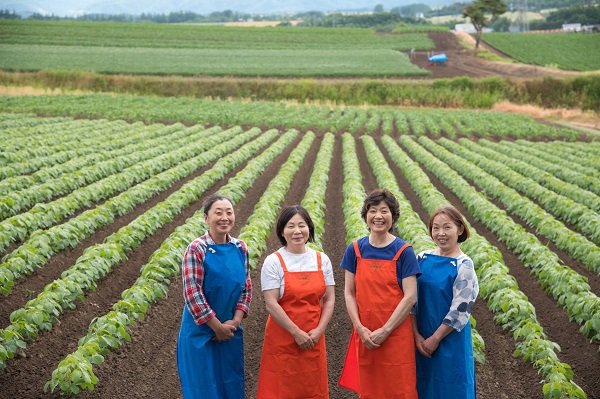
x=193, y=277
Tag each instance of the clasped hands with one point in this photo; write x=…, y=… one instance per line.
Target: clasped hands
x=426, y=347
x=372, y=339
x=307, y=340
x=225, y=331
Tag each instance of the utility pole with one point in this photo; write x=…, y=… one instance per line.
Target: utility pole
x=522, y=21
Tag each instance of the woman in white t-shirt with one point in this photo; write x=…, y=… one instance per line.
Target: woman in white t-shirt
x=298, y=288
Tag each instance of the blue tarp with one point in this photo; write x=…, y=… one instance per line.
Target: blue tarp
x=438, y=58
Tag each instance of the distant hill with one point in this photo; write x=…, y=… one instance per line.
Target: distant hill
x=72, y=8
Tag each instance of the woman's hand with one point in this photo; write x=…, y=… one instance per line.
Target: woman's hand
x=232, y=323
x=223, y=331
x=430, y=345
x=365, y=336
x=303, y=340
x=315, y=334
x=419, y=345
x=379, y=336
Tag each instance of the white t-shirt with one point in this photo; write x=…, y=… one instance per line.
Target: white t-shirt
x=271, y=274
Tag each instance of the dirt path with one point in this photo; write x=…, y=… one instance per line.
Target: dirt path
x=463, y=62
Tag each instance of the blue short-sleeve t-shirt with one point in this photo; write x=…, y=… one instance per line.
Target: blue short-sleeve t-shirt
x=406, y=265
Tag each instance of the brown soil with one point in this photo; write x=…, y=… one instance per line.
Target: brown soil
x=146, y=367
x=463, y=62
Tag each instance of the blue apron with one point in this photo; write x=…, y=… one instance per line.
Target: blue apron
x=450, y=372
x=212, y=369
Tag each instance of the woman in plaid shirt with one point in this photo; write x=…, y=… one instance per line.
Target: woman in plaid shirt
x=217, y=290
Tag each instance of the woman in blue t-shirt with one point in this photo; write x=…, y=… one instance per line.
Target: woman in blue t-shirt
x=381, y=273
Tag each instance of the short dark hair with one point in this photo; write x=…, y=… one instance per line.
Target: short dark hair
x=378, y=196
x=284, y=217
x=455, y=216
x=208, y=203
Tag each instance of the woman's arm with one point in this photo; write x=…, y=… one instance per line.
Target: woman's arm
x=418, y=337
x=278, y=314
x=246, y=296
x=432, y=343
x=326, y=313
x=350, y=295
x=409, y=286
x=223, y=331
x=192, y=274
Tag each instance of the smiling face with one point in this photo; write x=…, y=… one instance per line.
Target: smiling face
x=220, y=220
x=379, y=218
x=296, y=234
x=445, y=232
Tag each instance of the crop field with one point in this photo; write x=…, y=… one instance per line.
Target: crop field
x=206, y=50
x=100, y=195
x=578, y=52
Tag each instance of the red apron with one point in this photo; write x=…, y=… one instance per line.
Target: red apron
x=286, y=370
x=390, y=370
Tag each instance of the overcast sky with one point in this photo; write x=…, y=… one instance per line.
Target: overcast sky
x=136, y=7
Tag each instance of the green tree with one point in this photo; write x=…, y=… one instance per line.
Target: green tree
x=378, y=8
x=481, y=13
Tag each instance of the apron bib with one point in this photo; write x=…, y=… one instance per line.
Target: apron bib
x=388, y=371
x=207, y=368
x=286, y=370
x=450, y=372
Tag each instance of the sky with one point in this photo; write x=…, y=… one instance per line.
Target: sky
x=135, y=7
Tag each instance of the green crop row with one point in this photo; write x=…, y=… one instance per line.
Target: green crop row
x=314, y=199
x=584, y=152
x=50, y=138
x=513, y=309
x=257, y=113
x=25, y=122
x=552, y=164
x=546, y=179
x=353, y=191
x=17, y=201
x=258, y=227
x=98, y=150
x=587, y=165
x=586, y=157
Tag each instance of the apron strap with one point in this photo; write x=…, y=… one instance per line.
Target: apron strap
x=281, y=261
x=356, y=250
x=400, y=251
x=319, y=262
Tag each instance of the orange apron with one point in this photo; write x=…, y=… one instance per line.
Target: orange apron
x=390, y=370
x=286, y=370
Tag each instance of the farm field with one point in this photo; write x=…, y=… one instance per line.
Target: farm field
x=205, y=50
x=99, y=198
x=210, y=62
x=565, y=51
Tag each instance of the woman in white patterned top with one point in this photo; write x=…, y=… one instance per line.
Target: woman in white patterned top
x=446, y=293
